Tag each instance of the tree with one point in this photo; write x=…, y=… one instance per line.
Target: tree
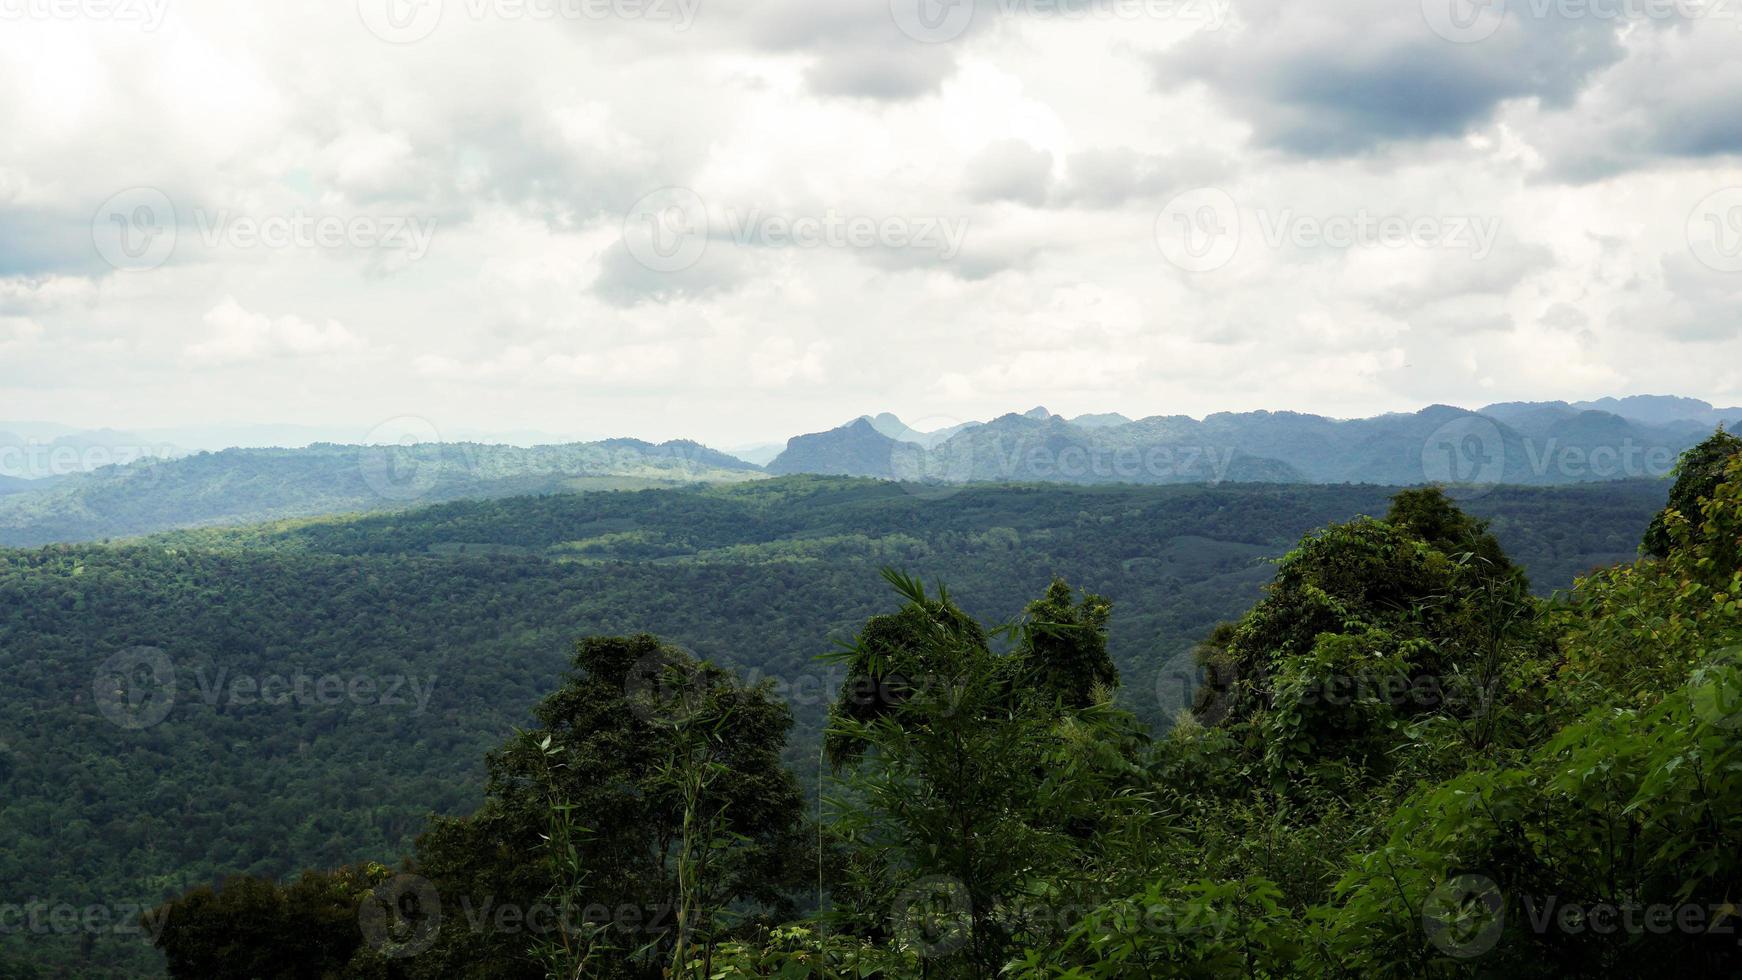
x=656, y=756
x=1698, y=473
x=1060, y=655
x=252, y=928
x=1366, y=625
x=981, y=791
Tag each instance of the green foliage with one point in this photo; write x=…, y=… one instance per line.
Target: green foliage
x=250, y=927
x=1635, y=631
x=675, y=768
x=1701, y=470
x=1369, y=628
x=1202, y=929
x=983, y=793
x=1562, y=805
x=1625, y=810
x=476, y=601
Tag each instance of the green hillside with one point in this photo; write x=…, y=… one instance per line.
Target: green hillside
x=465, y=613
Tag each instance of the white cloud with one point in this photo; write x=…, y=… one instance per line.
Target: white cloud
x=239, y=336
x=1054, y=142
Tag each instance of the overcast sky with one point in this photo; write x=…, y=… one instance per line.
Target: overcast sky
x=736, y=220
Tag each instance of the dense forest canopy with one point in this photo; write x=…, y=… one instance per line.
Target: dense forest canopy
x=434, y=631
x=1407, y=765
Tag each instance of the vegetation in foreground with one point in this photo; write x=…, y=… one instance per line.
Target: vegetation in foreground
x=1403, y=764
x=455, y=620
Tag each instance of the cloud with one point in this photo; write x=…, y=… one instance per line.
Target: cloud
x=1051, y=143
x=625, y=280
x=1633, y=115
x=18, y=332
x=1111, y=177
x=239, y=336
x=1313, y=80
x=779, y=361
x=1010, y=170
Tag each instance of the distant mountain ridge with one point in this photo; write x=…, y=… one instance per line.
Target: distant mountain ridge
x=248, y=485
x=1523, y=443
x=1529, y=443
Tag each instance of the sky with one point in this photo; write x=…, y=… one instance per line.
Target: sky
x=734, y=220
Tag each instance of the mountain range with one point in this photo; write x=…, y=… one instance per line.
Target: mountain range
x=106, y=483
x=246, y=485
x=1528, y=443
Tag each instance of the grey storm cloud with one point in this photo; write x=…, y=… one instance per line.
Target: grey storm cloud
x=1632, y=116
x=1316, y=82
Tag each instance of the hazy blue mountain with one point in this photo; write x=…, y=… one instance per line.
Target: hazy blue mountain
x=34, y=450
x=1103, y=420
x=1524, y=443
x=893, y=427
x=684, y=454
x=1528, y=415
x=1663, y=409
x=1544, y=443
x=758, y=454
x=854, y=449
x=1031, y=447
x=242, y=485
x=938, y=437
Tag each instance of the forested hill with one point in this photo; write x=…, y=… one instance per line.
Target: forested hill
x=814, y=519
x=246, y=485
x=466, y=612
x=1530, y=444
x=1524, y=444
